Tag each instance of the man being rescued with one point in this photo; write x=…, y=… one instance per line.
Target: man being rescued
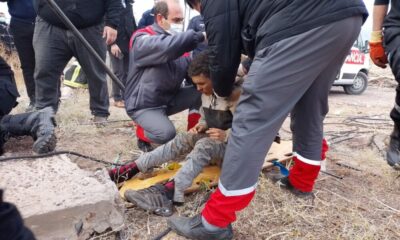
x=203, y=144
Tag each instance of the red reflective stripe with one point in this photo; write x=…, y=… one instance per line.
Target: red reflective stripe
x=140, y=134
x=302, y=175
x=221, y=210
x=147, y=29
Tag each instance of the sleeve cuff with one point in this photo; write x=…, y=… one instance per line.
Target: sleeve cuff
x=376, y=36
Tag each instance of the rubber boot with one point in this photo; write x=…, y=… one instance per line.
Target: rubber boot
x=40, y=125
x=393, y=151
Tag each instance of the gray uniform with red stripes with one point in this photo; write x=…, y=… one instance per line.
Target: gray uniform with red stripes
x=297, y=49
x=157, y=67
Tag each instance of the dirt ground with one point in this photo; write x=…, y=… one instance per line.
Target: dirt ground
x=364, y=204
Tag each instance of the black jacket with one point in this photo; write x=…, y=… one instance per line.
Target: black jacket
x=11, y=223
x=5, y=69
x=197, y=25
x=245, y=26
x=21, y=10
x=82, y=13
x=126, y=27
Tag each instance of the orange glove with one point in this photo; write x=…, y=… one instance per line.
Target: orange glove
x=377, y=52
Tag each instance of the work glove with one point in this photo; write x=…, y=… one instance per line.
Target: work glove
x=377, y=52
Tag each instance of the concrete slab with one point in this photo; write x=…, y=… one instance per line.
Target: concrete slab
x=58, y=200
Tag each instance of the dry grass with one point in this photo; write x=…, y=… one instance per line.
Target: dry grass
x=364, y=205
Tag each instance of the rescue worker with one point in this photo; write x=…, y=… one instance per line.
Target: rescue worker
x=203, y=144
x=384, y=45
x=55, y=45
x=119, y=51
x=158, y=66
x=297, y=49
x=40, y=124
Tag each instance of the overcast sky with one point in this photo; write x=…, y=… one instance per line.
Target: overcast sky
x=142, y=5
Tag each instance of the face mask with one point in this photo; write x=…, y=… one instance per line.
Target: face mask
x=2, y=19
x=176, y=28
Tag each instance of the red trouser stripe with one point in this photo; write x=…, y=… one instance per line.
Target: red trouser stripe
x=140, y=134
x=221, y=210
x=302, y=175
x=193, y=119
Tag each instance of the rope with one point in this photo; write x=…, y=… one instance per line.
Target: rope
x=59, y=153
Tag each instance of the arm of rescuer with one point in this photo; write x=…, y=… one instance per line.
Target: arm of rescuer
x=377, y=52
x=222, y=23
x=150, y=50
x=112, y=17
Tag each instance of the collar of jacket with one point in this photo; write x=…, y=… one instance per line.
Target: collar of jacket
x=159, y=30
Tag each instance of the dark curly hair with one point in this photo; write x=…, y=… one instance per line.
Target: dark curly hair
x=200, y=65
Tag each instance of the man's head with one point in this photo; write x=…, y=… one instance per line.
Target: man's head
x=194, y=4
x=168, y=15
x=200, y=73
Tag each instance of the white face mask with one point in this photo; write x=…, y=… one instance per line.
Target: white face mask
x=176, y=28
x=2, y=19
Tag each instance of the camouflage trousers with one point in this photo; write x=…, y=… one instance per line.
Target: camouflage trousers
x=200, y=151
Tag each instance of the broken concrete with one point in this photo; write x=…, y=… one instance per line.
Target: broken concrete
x=58, y=200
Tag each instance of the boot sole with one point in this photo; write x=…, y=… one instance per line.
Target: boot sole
x=47, y=145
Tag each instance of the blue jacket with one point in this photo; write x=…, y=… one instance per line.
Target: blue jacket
x=147, y=19
x=21, y=10
x=197, y=25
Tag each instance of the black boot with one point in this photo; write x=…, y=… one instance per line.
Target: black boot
x=40, y=125
x=193, y=228
x=285, y=184
x=144, y=146
x=393, y=151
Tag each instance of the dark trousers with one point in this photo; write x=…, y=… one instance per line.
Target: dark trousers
x=392, y=44
x=23, y=37
x=292, y=75
x=54, y=47
x=120, y=68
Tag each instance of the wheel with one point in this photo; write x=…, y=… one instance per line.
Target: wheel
x=359, y=85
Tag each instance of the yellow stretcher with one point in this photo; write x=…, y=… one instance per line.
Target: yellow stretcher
x=209, y=177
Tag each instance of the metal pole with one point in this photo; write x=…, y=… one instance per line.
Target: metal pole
x=77, y=34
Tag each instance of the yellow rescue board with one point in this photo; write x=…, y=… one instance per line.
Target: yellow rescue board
x=208, y=177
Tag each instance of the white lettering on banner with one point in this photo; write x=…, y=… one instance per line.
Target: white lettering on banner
x=355, y=57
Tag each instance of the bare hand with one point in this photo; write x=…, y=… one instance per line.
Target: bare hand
x=110, y=34
x=115, y=51
x=199, y=128
x=216, y=134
